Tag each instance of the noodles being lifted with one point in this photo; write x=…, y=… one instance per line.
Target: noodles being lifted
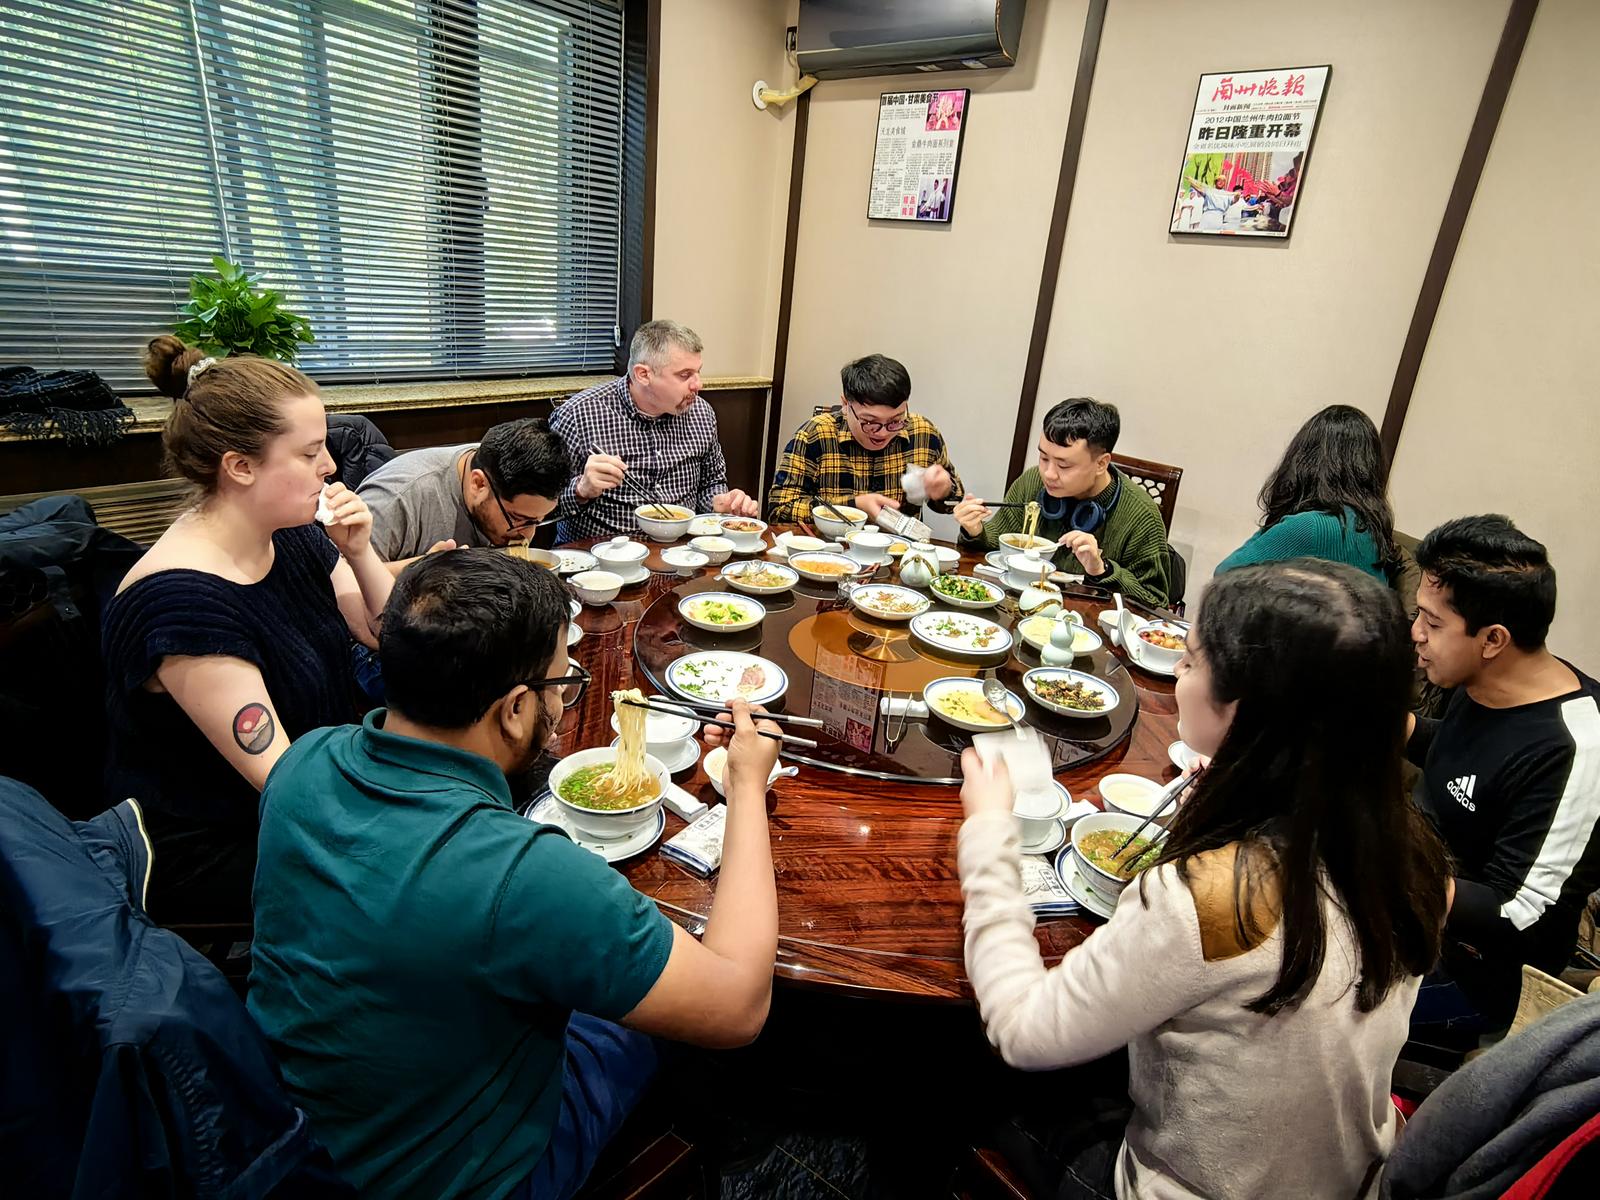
x=1030, y=521
x=630, y=776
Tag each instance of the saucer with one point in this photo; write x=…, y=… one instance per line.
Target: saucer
x=574, y=634
x=1071, y=875
x=548, y=812
x=1051, y=842
x=640, y=575
x=687, y=754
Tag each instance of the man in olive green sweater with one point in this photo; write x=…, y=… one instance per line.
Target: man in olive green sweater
x=1107, y=523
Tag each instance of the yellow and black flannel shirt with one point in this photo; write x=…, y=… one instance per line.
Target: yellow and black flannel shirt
x=822, y=461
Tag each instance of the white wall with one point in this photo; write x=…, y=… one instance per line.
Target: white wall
x=1504, y=417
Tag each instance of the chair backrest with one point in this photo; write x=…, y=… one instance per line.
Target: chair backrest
x=1159, y=479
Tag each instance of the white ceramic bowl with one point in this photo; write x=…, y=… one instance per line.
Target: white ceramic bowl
x=607, y=824
x=715, y=547
x=949, y=558
x=827, y=526
x=1025, y=569
x=574, y=607
x=1158, y=656
x=865, y=598
x=658, y=528
x=621, y=555
x=870, y=548
x=993, y=593
x=753, y=611
x=683, y=560
x=1016, y=541
x=1131, y=794
x=804, y=564
x=706, y=525
x=951, y=683
x=1114, y=822
x=596, y=587
x=663, y=732
x=799, y=543
x=734, y=577
x=547, y=559
x=744, y=539
x=717, y=758
x=1036, y=632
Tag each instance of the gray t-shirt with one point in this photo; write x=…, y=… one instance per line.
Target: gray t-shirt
x=415, y=500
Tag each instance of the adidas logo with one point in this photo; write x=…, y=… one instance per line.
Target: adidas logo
x=1461, y=788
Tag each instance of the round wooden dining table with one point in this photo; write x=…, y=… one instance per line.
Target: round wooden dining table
x=869, y=900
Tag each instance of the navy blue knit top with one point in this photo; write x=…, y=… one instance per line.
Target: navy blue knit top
x=288, y=624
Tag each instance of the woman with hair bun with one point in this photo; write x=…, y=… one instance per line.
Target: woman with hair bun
x=231, y=636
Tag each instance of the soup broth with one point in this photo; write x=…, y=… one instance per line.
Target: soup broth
x=1101, y=847
x=586, y=788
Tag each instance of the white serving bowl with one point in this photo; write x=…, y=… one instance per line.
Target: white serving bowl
x=607, y=824
x=664, y=732
x=596, y=587
x=683, y=560
x=1116, y=822
x=1131, y=794
x=753, y=610
x=734, y=577
x=1158, y=656
x=827, y=526
x=717, y=758
x=949, y=558
x=870, y=548
x=864, y=597
x=1017, y=541
x=1031, y=680
x=799, y=543
x=715, y=547
x=952, y=683
x=1036, y=632
x=1025, y=569
x=803, y=564
x=621, y=555
x=658, y=528
x=744, y=539
x=706, y=525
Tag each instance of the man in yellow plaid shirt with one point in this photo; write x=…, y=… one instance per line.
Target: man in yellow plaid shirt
x=856, y=453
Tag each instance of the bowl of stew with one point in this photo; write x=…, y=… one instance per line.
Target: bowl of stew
x=1095, y=840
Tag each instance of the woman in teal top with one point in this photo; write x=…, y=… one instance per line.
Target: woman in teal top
x=1328, y=498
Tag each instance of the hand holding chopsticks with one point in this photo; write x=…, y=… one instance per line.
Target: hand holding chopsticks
x=700, y=712
x=619, y=470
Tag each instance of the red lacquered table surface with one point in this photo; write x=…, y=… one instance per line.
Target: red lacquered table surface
x=869, y=901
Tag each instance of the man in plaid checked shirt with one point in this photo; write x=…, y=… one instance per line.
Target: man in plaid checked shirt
x=642, y=437
x=855, y=454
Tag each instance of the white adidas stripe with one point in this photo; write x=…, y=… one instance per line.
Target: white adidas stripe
x=1576, y=815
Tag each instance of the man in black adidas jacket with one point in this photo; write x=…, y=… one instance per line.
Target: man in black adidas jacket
x=1511, y=772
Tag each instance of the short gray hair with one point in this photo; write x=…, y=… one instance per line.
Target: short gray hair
x=653, y=339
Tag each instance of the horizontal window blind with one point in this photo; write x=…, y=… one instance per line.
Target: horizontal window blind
x=435, y=184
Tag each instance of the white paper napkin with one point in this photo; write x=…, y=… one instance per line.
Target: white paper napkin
x=1027, y=762
x=682, y=803
x=903, y=706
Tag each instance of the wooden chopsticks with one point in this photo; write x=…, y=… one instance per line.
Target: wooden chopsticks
x=785, y=738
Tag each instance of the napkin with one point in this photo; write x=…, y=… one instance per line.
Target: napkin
x=903, y=706
x=682, y=803
x=324, y=513
x=1027, y=762
x=1043, y=890
x=698, y=849
x=911, y=483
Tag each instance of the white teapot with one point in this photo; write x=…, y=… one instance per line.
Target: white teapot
x=918, y=565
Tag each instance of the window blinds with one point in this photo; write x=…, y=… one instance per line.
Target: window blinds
x=436, y=185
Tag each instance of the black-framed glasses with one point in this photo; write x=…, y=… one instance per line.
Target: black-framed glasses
x=867, y=426
x=514, y=523
x=573, y=685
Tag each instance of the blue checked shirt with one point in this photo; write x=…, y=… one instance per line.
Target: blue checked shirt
x=678, y=457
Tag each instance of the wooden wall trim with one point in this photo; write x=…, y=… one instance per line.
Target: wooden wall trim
x=1519, y=20
x=791, y=239
x=1050, y=274
x=641, y=75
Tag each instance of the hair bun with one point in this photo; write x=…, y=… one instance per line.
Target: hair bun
x=167, y=360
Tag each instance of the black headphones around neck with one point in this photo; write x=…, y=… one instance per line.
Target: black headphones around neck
x=1087, y=515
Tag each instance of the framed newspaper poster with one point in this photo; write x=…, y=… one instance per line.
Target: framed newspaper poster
x=1249, y=139
x=917, y=155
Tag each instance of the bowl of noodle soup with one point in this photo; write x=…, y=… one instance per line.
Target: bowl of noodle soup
x=612, y=792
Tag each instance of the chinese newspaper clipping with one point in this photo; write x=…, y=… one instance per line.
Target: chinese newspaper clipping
x=917, y=155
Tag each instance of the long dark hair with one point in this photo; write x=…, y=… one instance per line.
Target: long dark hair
x=1308, y=777
x=1334, y=461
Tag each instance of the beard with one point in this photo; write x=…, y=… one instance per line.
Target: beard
x=531, y=772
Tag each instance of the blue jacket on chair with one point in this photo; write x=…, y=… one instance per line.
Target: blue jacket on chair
x=130, y=1069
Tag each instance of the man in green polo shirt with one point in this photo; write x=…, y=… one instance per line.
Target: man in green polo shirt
x=1104, y=525
x=439, y=975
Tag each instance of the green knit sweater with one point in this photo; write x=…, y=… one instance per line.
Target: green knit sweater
x=1133, y=541
x=1311, y=535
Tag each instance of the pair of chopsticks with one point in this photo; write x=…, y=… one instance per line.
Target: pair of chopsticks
x=703, y=711
x=818, y=502
x=648, y=493
x=986, y=503
x=1168, y=794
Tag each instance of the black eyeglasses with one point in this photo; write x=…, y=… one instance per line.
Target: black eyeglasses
x=514, y=523
x=894, y=426
x=572, y=685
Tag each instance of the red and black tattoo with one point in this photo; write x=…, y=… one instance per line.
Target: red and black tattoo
x=253, y=728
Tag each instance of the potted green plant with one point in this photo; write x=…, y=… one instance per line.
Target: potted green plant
x=228, y=314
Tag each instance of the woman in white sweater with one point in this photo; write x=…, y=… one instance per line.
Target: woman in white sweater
x=1262, y=974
